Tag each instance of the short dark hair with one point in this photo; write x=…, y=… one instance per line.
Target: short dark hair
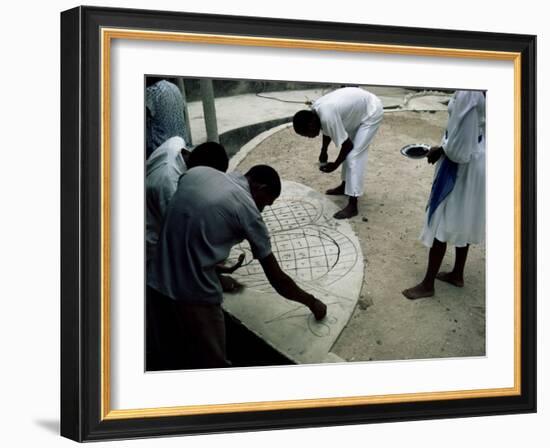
x=265, y=175
x=210, y=154
x=302, y=120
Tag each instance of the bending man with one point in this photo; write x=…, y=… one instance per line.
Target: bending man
x=350, y=117
x=211, y=212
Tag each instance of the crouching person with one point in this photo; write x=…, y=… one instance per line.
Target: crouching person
x=210, y=212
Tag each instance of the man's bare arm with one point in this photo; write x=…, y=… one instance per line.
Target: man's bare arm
x=345, y=149
x=323, y=157
x=286, y=287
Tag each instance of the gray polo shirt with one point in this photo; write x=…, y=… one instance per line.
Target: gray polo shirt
x=210, y=212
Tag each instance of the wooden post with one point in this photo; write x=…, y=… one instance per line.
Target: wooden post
x=188, y=137
x=209, y=108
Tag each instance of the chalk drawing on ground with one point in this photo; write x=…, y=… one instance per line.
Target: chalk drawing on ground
x=321, y=255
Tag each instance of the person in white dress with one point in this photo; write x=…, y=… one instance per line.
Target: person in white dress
x=349, y=117
x=456, y=208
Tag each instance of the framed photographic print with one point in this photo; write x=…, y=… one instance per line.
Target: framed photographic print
x=242, y=201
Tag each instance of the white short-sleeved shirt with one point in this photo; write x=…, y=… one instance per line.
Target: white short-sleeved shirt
x=342, y=111
x=163, y=169
x=210, y=212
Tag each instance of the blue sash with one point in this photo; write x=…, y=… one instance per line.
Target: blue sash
x=443, y=184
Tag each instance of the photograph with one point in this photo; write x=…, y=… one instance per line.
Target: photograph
x=287, y=224
x=275, y=224
x=294, y=223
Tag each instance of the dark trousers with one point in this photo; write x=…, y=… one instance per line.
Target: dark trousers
x=183, y=336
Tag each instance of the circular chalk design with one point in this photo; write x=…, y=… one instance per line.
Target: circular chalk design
x=290, y=214
x=305, y=250
x=324, y=258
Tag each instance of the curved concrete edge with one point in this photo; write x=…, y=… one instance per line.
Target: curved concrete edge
x=284, y=325
x=333, y=358
x=248, y=147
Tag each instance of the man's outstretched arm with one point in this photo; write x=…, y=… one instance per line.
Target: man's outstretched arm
x=286, y=287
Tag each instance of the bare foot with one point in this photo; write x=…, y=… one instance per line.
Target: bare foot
x=339, y=190
x=418, y=292
x=347, y=212
x=451, y=278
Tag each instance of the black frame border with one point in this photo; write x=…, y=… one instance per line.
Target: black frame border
x=81, y=223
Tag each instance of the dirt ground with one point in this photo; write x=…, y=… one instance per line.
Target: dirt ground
x=385, y=325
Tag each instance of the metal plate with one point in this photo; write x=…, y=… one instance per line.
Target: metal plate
x=415, y=150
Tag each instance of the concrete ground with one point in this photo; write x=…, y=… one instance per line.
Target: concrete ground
x=238, y=111
x=322, y=255
x=385, y=325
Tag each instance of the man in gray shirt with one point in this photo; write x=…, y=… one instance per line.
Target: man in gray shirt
x=211, y=212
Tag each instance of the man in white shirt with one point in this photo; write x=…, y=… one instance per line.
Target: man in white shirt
x=350, y=117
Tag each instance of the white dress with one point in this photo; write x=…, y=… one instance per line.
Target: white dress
x=460, y=218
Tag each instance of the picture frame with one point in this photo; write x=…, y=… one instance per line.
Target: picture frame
x=86, y=37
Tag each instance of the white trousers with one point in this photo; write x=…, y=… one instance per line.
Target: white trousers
x=355, y=165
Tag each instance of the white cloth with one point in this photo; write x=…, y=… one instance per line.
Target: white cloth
x=163, y=169
x=353, y=113
x=460, y=217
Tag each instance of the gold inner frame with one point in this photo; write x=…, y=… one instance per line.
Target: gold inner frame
x=107, y=35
